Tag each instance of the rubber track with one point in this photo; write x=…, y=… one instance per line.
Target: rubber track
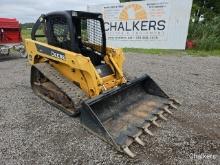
x=66, y=86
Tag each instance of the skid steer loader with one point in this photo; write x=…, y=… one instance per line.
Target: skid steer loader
x=73, y=70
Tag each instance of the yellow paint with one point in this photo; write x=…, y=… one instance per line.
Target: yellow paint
x=79, y=69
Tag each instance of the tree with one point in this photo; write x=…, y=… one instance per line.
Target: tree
x=206, y=8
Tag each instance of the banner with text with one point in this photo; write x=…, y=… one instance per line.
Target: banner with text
x=146, y=24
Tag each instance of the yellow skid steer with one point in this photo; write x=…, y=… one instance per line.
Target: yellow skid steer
x=73, y=70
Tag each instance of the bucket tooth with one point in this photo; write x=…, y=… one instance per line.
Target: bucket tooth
x=172, y=106
x=128, y=152
x=162, y=117
x=175, y=101
x=146, y=125
x=155, y=123
x=139, y=141
x=134, y=133
x=167, y=110
x=37, y=83
x=146, y=130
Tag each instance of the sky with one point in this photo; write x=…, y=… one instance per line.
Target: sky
x=29, y=10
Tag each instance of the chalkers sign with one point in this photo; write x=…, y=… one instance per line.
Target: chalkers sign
x=146, y=24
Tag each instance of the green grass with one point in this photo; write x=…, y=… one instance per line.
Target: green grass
x=191, y=52
x=204, y=53
x=27, y=34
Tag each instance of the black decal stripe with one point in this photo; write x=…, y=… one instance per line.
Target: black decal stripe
x=50, y=52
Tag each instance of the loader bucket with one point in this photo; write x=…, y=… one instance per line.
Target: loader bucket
x=121, y=115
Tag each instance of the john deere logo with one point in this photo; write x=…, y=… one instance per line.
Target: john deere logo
x=133, y=11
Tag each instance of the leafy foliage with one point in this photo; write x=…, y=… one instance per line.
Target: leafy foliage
x=205, y=33
x=206, y=8
x=27, y=25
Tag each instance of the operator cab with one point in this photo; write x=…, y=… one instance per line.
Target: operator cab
x=76, y=31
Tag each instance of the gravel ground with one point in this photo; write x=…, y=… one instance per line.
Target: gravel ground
x=33, y=132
